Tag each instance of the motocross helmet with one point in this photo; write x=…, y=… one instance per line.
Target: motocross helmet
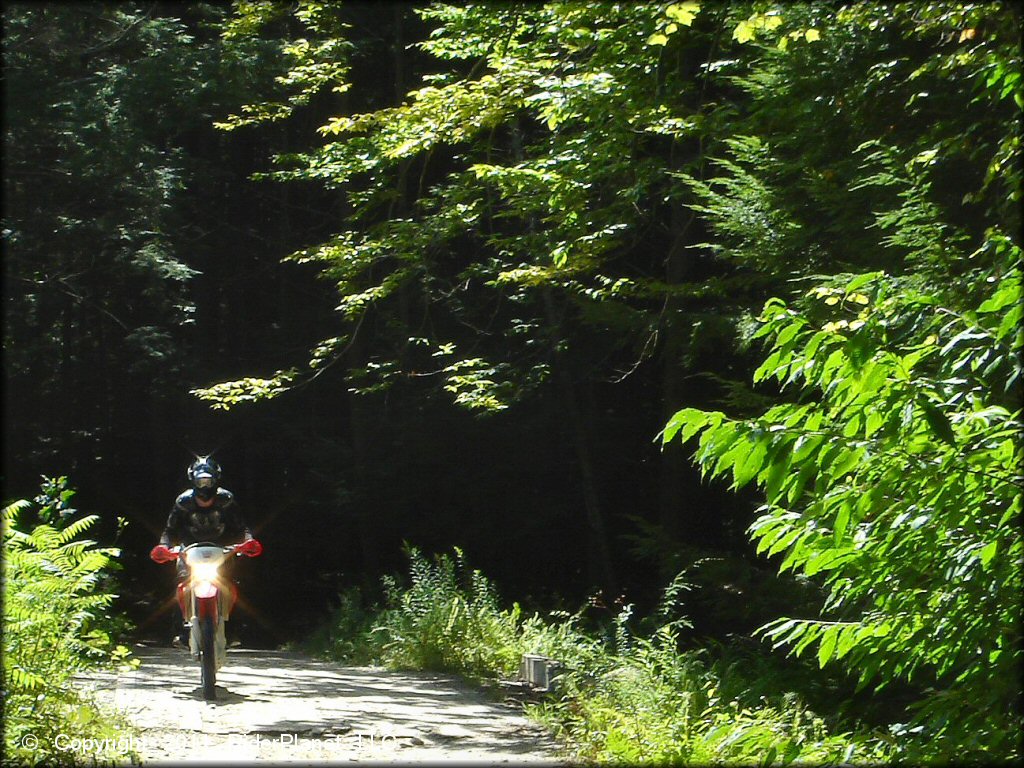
x=204, y=474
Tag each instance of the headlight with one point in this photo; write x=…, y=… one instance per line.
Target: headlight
x=204, y=572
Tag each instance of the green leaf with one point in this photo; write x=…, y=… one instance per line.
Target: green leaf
x=1011, y=322
x=861, y=280
x=827, y=646
x=939, y=423
x=683, y=13
x=743, y=32
x=808, y=634
x=796, y=488
x=1006, y=295
x=689, y=420
x=874, y=422
x=828, y=560
x=783, y=541
x=805, y=445
x=731, y=452
x=775, y=476
x=769, y=366
x=838, y=463
x=988, y=552
x=848, y=637
x=746, y=471
x=842, y=520
x=787, y=334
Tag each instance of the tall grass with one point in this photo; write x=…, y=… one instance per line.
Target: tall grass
x=622, y=696
x=55, y=601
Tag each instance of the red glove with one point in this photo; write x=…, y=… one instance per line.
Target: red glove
x=160, y=554
x=249, y=548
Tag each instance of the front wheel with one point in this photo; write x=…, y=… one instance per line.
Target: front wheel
x=208, y=657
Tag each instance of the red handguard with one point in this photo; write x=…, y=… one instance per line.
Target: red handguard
x=161, y=554
x=250, y=548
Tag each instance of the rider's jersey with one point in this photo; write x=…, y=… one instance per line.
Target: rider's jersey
x=221, y=523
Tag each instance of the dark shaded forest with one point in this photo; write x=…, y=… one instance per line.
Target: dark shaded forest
x=146, y=262
x=441, y=276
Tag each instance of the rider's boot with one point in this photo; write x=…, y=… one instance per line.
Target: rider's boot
x=231, y=634
x=180, y=640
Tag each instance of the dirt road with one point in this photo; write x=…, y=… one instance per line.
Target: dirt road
x=286, y=707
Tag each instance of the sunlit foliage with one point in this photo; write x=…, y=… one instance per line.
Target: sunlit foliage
x=55, y=602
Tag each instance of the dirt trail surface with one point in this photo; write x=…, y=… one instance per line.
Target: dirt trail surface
x=286, y=707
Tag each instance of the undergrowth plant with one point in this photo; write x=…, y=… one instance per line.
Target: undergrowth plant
x=448, y=618
x=643, y=699
x=55, y=600
x=620, y=696
x=347, y=633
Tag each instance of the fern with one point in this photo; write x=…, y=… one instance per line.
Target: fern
x=53, y=625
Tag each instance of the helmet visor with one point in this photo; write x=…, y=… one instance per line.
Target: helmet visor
x=204, y=480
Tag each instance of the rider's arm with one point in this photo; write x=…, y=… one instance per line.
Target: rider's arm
x=248, y=544
x=173, y=527
x=236, y=528
x=239, y=531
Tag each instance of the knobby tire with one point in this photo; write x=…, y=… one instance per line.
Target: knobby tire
x=208, y=657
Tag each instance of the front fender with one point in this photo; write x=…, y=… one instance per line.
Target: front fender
x=207, y=602
x=205, y=589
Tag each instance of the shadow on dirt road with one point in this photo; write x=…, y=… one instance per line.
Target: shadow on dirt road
x=283, y=706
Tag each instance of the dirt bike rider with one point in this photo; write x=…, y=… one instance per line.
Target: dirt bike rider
x=205, y=512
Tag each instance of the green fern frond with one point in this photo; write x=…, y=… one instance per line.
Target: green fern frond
x=24, y=680
x=79, y=526
x=10, y=513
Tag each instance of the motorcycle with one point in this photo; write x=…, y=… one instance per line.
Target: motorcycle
x=207, y=599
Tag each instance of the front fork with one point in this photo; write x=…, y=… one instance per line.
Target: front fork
x=183, y=600
x=208, y=599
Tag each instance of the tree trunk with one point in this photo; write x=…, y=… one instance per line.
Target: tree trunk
x=678, y=520
x=599, y=561
x=363, y=518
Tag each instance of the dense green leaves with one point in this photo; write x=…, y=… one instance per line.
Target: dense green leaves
x=893, y=476
x=910, y=516
x=55, y=597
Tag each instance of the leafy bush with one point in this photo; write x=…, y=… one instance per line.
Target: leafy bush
x=891, y=472
x=897, y=483
x=347, y=633
x=447, y=619
x=53, y=627
x=646, y=701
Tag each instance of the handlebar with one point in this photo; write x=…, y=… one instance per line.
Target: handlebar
x=176, y=552
x=181, y=550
